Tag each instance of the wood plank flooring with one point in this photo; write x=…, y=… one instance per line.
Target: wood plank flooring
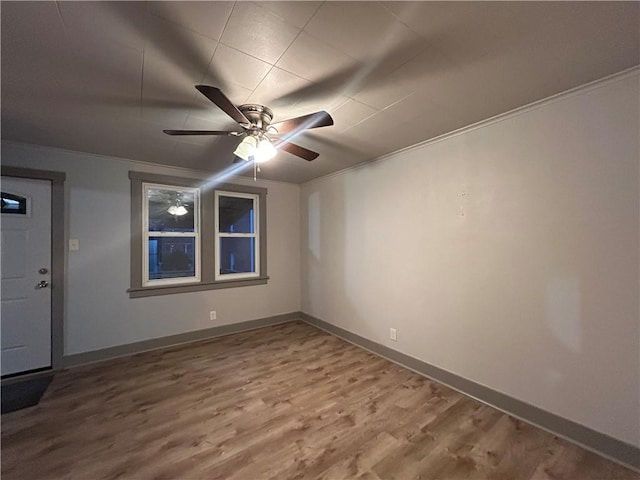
x=283, y=402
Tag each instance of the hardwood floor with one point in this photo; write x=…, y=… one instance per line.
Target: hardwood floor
x=283, y=402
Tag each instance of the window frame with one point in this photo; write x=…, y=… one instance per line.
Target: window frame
x=147, y=234
x=218, y=235
x=208, y=248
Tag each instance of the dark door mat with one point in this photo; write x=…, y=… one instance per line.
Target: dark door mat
x=23, y=394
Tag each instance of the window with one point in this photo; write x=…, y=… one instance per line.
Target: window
x=187, y=235
x=171, y=244
x=14, y=204
x=236, y=235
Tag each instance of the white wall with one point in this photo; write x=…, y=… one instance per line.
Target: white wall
x=507, y=254
x=98, y=311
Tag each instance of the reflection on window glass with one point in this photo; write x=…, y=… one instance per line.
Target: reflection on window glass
x=14, y=204
x=237, y=255
x=171, y=257
x=236, y=215
x=171, y=210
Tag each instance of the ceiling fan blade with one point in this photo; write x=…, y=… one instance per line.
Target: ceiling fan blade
x=313, y=120
x=298, y=151
x=200, y=132
x=220, y=99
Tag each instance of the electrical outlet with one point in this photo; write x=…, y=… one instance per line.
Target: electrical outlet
x=393, y=335
x=212, y=315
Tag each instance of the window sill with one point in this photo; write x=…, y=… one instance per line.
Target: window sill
x=140, y=292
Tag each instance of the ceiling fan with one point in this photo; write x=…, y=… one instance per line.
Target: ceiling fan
x=262, y=138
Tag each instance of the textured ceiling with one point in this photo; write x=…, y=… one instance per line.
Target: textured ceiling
x=107, y=77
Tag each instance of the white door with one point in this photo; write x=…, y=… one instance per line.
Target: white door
x=25, y=308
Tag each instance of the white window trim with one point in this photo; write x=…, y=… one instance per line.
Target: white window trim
x=255, y=235
x=146, y=234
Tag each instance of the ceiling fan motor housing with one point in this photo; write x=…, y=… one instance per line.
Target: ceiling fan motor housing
x=259, y=115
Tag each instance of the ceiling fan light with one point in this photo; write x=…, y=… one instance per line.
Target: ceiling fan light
x=265, y=151
x=177, y=210
x=247, y=148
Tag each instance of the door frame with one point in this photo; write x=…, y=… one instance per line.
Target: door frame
x=58, y=251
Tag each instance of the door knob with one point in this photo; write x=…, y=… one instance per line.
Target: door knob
x=42, y=284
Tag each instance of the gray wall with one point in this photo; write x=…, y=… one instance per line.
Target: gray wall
x=507, y=254
x=98, y=311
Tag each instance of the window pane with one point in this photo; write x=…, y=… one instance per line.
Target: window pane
x=171, y=210
x=237, y=255
x=14, y=204
x=236, y=215
x=171, y=257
